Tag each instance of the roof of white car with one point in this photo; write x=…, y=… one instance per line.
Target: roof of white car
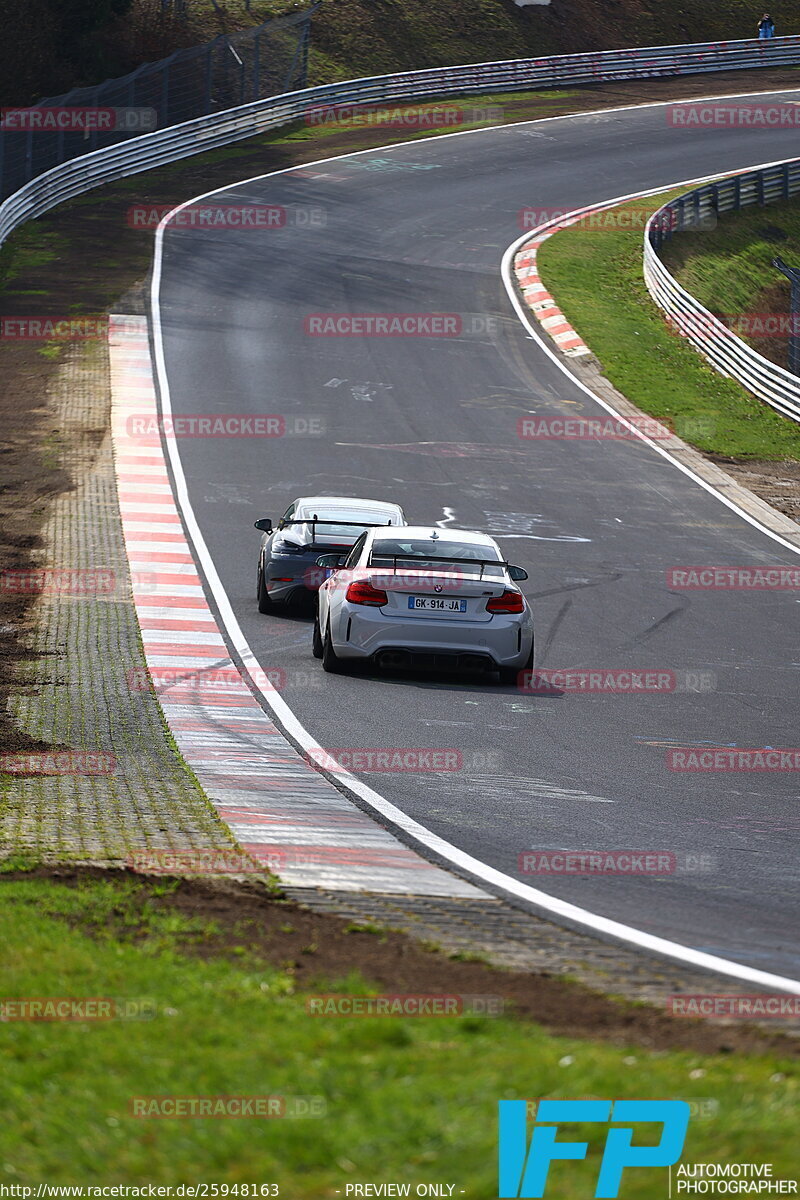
x=335, y=504
x=420, y=532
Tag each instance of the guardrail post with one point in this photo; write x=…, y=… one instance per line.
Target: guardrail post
x=256, y=67
x=96, y=103
x=165, y=93
x=793, y=275
x=305, y=40
x=29, y=155
x=208, y=74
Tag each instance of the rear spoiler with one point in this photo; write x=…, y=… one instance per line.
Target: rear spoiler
x=315, y=521
x=332, y=521
x=472, y=562
x=266, y=525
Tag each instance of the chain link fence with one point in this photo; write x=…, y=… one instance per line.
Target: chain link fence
x=232, y=70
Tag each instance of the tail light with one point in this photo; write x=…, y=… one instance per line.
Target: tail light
x=363, y=592
x=509, y=602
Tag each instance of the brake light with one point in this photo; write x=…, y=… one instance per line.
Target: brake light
x=364, y=593
x=509, y=602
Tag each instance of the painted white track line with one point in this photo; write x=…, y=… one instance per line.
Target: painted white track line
x=412, y=830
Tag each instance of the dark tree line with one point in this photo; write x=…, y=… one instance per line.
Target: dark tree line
x=49, y=46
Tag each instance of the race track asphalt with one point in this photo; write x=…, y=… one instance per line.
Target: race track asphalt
x=431, y=422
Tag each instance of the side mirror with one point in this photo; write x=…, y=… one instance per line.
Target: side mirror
x=331, y=562
x=517, y=574
x=265, y=525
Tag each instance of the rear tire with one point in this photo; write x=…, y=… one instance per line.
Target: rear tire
x=509, y=676
x=316, y=640
x=265, y=605
x=330, y=662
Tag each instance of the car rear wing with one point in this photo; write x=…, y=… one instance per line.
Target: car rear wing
x=265, y=524
x=332, y=521
x=443, y=558
x=315, y=521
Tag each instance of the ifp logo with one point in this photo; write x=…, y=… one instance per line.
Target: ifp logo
x=523, y=1170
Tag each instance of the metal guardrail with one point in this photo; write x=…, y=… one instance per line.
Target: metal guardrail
x=716, y=341
x=209, y=132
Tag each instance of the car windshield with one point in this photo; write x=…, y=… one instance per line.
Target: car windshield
x=436, y=555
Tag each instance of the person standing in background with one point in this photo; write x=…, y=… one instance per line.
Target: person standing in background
x=766, y=27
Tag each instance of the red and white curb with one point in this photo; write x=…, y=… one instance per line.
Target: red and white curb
x=281, y=810
x=539, y=300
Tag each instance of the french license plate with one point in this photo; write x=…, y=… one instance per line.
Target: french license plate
x=443, y=604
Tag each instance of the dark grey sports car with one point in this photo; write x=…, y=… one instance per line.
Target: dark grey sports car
x=312, y=525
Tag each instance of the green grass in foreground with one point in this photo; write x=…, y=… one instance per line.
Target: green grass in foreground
x=596, y=277
x=407, y=1099
x=730, y=268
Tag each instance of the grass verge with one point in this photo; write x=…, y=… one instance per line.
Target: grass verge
x=729, y=270
x=596, y=277
x=406, y=1099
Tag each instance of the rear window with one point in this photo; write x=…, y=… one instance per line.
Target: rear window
x=436, y=556
x=345, y=533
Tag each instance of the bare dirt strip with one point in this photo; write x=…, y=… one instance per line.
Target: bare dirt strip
x=246, y=922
